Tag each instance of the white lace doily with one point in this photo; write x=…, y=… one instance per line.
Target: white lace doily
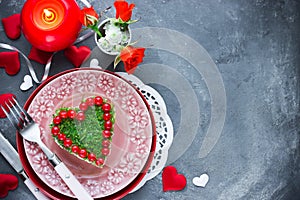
x=164, y=127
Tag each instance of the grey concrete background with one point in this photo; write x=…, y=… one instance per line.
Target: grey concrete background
x=255, y=45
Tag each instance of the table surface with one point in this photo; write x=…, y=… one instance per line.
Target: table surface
x=255, y=46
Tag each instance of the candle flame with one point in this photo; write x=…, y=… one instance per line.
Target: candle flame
x=47, y=13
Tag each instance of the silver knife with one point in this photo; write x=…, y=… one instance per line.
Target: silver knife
x=12, y=157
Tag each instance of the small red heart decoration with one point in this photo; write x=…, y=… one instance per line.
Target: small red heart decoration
x=172, y=181
x=39, y=55
x=12, y=26
x=4, y=98
x=7, y=182
x=10, y=62
x=77, y=55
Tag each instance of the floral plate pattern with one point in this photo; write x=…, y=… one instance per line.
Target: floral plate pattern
x=131, y=143
x=164, y=127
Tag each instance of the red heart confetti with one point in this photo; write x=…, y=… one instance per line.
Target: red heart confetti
x=77, y=55
x=10, y=62
x=39, y=55
x=172, y=181
x=12, y=26
x=4, y=98
x=7, y=182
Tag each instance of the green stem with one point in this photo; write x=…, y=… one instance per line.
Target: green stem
x=96, y=30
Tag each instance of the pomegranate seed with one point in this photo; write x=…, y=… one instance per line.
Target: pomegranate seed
x=55, y=130
x=72, y=114
x=100, y=161
x=63, y=114
x=57, y=120
x=105, y=143
x=105, y=151
x=91, y=157
x=82, y=153
x=106, y=116
x=106, y=107
x=83, y=106
x=61, y=136
x=106, y=133
x=89, y=101
x=108, y=125
x=68, y=142
x=98, y=101
x=80, y=116
x=75, y=149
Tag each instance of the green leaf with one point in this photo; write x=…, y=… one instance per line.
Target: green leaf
x=117, y=60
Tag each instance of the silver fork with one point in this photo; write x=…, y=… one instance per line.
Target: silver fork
x=30, y=131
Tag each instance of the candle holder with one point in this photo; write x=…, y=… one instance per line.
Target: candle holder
x=50, y=25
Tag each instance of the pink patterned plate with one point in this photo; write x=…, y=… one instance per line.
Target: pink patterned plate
x=132, y=146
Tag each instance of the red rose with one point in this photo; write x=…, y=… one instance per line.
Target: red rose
x=123, y=10
x=131, y=57
x=88, y=16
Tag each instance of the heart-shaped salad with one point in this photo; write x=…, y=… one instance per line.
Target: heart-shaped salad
x=85, y=131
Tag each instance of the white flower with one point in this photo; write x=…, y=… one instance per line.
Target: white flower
x=114, y=39
x=125, y=38
x=113, y=34
x=115, y=176
x=118, y=48
x=131, y=164
x=105, y=44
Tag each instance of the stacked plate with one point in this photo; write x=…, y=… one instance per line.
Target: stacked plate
x=132, y=145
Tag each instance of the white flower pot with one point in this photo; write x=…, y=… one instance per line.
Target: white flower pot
x=112, y=38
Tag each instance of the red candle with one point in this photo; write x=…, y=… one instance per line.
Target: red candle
x=50, y=25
